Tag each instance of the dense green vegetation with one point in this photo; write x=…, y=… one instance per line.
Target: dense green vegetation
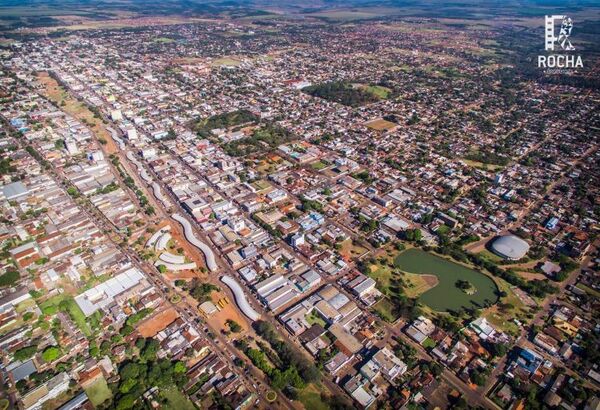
x=6, y=167
x=263, y=139
x=146, y=371
x=292, y=368
x=9, y=278
x=25, y=353
x=66, y=304
x=201, y=291
x=132, y=320
x=226, y=120
x=342, y=92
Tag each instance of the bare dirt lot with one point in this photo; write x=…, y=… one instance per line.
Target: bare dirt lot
x=158, y=322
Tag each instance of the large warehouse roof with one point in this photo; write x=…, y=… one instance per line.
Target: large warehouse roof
x=510, y=247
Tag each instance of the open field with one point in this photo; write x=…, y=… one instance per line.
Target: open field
x=381, y=125
x=351, y=250
x=158, y=322
x=226, y=62
x=385, y=310
x=176, y=400
x=511, y=307
x=379, y=91
x=419, y=284
x=446, y=296
x=481, y=165
x=98, y=392
x=310, y=397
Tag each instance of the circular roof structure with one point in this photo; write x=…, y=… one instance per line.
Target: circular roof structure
x=510, y=247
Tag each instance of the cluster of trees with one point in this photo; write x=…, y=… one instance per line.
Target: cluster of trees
x=269, y=136
x=132, y=320
x=201, y=291
x=342, y=92
x=226, y=120
x=10, y=277
x=25, y=353
x=488, y=157
x=130, y=183
x=311, y=205
x=364, y=176
x=6, y=167
x=146, y=371
x=463, y=284
x=234, y=326
x=272, y=231
x=413, y=235
x=289, y=355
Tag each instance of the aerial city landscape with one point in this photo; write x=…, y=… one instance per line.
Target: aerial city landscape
x=315, y=205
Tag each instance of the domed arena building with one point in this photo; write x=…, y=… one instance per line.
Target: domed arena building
x=510, y=247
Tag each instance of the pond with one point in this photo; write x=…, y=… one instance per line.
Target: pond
x=445, y=296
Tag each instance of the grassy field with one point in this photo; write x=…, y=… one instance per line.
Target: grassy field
x=310, y=397
x=163, y=40
x=383, y=275
x=319, y=165
x=176, y=400
x=379, y=91
x=481, y=165
x=350, y=250
x=385, y=309
x=74, y=311
x=98, y=392
x=418, y=284
x=511, y=307
x=226, y=62
x=492, y=257
x=381, y=125
x=446, y=296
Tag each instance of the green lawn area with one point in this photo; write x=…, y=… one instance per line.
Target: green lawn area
x=350, y=250
x=73, y=309
x=177, y=400
x=98, y=392
x=319, y=165
x=379, y=91
x=310, y=397
x=313, y=318
x=164, y=40
x=382, y=274
x=446, y=296
x=226, y=61
x=501, y=315
x=490, y=256
x=428, y=343
x=261, y=185
x=384, y=309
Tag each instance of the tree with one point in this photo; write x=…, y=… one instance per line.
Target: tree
x=234, y=326
x=50, y=354
x=25, y=352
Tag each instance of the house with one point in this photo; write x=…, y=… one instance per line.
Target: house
x=390, y=365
